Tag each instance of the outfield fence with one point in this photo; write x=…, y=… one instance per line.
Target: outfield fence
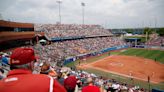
x=81, y=56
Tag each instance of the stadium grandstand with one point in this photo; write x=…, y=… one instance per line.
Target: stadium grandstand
x=81, y=45
x=14, y=34
x=74, y=38
x=65, y=44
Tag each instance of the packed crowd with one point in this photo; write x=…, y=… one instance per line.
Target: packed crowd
x=156, y=41
x=83, y=78
x=65, y=79
x=58, y=51
x=64, y=26
x=69, y=79
x=71, y=30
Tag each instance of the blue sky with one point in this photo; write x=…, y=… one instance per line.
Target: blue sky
x=109, y=13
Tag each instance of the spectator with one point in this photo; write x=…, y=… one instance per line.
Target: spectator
x=60, y=78
x=21, y=79
x=46, y=69
x=5, y=60
x=70, y=83
x=1, y=73
x=90, y=87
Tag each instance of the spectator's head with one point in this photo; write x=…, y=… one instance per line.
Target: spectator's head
x=2, y=71
x=89, y=80
x=45, y=68
x=70, y=83
x=22, y=58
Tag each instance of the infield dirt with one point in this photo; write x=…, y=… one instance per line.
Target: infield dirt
x=129, y=66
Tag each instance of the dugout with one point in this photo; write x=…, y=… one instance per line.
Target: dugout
x=133, y=41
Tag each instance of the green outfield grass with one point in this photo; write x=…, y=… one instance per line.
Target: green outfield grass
x=146, y=53
x=127, y=80
x=151, y=54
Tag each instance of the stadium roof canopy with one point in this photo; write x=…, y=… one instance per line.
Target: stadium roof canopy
x=132, y=39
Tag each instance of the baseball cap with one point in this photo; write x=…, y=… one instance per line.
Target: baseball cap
x=21, y=56
x=70, y=82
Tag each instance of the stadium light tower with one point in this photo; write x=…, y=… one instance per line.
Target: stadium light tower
x=155, y=24
x=1, y=18
x=59, y=2
x=83, y=5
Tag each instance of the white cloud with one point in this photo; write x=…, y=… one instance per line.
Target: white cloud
x=111, y=13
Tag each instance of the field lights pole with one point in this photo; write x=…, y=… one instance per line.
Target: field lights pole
x=155, y=24
x=59, y=2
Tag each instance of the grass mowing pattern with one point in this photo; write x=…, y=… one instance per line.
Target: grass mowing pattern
x=127, y=80
x=146, y=53
x=151, y=54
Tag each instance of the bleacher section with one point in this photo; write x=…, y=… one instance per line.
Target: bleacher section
x=157, y=41
x=65, y=31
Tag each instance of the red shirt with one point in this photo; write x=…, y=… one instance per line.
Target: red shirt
x=91, y=89
x=21, y=80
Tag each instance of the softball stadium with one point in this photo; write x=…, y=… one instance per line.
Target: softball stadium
x=130, y=65
x=108, y=56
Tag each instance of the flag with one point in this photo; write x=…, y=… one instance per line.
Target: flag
x=83, y=4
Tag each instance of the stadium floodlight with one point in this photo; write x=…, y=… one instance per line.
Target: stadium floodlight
x=83, y=5
x=1, y=18
x=155, y=24
x=59, y=2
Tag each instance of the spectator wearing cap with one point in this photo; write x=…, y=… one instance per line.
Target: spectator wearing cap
x=91, y=87
x=21, y=79
x=46, y=69
x=70, y=83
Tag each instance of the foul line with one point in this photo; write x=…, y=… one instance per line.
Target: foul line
x=90, y=65
x=120, y=74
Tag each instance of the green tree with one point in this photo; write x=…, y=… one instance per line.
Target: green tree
x=148, y=30
x=128, y=30
x=160, y=31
